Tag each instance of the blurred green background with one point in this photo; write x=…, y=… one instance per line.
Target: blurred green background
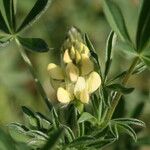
x=16, y=84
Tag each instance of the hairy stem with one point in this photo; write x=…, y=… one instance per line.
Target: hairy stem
x=31, y=69
x=116, y=99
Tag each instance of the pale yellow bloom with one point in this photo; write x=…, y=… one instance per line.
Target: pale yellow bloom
x=76, y=80
x=72, y=72
x=93, y=82
x=63, y=95
x=80, y=90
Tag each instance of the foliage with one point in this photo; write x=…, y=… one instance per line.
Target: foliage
x=92, y=127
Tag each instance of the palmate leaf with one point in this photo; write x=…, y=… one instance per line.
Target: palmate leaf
x=44, y=122
x=130, y=121
x=87, y=117
x=18, y=132
x=3, y=25
x=143, y=32
x=38, y=9
x=115, y=19
x=37, y=139
x=10, y=13
x=114, y=130
x=31, y=117
x=125, y=123
x=81, y=141
x=128, y=130
x=34, y=44
x=37, y=134
x=68, y=133
x=126, y=47
x=53, y=139
x=99, y=144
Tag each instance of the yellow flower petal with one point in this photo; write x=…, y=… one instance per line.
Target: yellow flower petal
x=85, y=50
x=66, y=57
x=63, y=95
x=87, y=65
x=84, y=96
x=93, y=82
x=72, y=72
x=55, y=71
x=79, y=87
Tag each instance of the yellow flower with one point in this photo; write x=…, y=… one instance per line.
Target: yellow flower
x=76, y=80
x=72, y=72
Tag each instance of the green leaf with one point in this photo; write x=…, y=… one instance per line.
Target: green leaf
x=53, y=139
x=93, y=52
x=43, y=121
x=36, y=143
x=130, y=121
x=109, y=47
x=55, y=119
x=97, y=133
x=18, y=132
x=9, y=10
x=37, y=138
x=38, y=9
x=81, y=141
x=126, y=47
x=120, y=88
x=129, y=131
x=3, y=25
x=37, y=134
x=98, y=144
x=87, y=117
x=114, y=130
x=115, y=19
x=33, y=121
x=69, y=133
x=34, y=44
x=143, y=32
x=5, y=40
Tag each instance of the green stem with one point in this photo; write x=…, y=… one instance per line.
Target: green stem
x=116, y=99
x=37, y=82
